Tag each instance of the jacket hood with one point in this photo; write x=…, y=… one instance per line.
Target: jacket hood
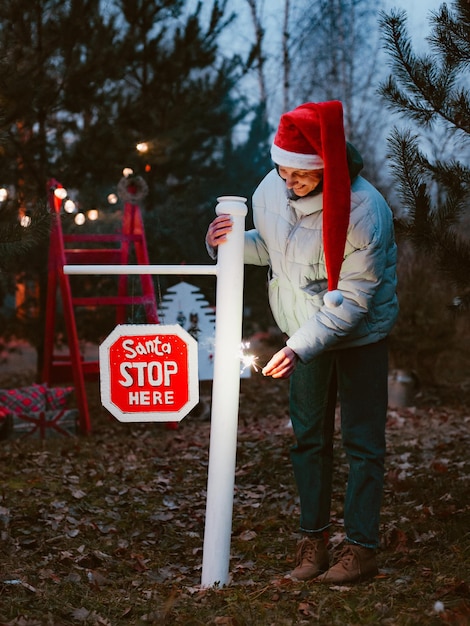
x=355, y=162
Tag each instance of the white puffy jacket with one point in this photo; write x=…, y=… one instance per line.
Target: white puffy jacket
x=288, y=238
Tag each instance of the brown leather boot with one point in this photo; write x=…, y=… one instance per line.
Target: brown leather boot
x=353, y=564
x=312, y=559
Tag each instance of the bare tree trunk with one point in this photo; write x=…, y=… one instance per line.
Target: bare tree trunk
x=258, y=50
x=286, y=58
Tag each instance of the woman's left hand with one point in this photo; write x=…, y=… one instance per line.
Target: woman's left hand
x=282, y=364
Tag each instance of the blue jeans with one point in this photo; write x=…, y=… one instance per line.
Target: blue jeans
x=359, y=377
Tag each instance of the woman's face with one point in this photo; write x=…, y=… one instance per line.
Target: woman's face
x=302, y=182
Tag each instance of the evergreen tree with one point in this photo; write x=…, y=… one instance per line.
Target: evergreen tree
x=431, y=92
x=84, y=81
x=250, y=160
x=42, y=50
x=179, y=103
x=56, y=73
x=81, y=93
x=21, y=237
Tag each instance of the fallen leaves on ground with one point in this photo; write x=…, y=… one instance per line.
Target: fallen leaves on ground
x=109, y=529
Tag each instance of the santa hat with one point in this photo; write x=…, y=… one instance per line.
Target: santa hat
x=312, y=137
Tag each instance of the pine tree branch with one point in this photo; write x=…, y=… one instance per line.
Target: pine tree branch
x=451, y=37
x=430, y=89
x=411, y=170
x=452, y=254
x=16, y=241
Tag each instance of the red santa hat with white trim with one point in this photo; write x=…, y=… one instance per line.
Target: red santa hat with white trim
x=312, y=137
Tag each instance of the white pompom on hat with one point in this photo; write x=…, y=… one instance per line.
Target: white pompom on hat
x=312, y=137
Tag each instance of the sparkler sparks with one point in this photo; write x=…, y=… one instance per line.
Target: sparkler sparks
x=247, y=359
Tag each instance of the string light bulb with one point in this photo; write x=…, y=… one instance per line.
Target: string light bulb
x=69, y=206
x=25, y=221
x=60, y=193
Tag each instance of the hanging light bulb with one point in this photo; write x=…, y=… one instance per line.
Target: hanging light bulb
x=112, y=198
x=92, y=214
x=142, y=147
x=127, y=171
x=80, y=219
x=3, y=194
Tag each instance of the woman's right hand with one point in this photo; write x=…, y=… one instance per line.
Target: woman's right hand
x=218, y=230
x=282, y=364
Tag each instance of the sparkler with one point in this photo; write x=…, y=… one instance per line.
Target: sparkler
x=248, y=359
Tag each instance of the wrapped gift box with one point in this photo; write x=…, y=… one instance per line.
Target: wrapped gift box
x=37, y=411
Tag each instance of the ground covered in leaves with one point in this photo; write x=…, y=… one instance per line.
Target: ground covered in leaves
x=108, y=529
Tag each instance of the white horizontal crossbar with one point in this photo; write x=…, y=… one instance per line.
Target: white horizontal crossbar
x=183, y=270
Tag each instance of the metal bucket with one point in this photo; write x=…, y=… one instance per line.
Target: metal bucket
x=402, y=387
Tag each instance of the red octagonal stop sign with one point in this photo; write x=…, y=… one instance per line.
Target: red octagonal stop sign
x=149, y=373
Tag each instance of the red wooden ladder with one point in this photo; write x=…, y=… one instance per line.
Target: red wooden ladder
x=72, y=366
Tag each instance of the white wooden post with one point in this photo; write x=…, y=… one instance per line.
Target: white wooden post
x=225, y=396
